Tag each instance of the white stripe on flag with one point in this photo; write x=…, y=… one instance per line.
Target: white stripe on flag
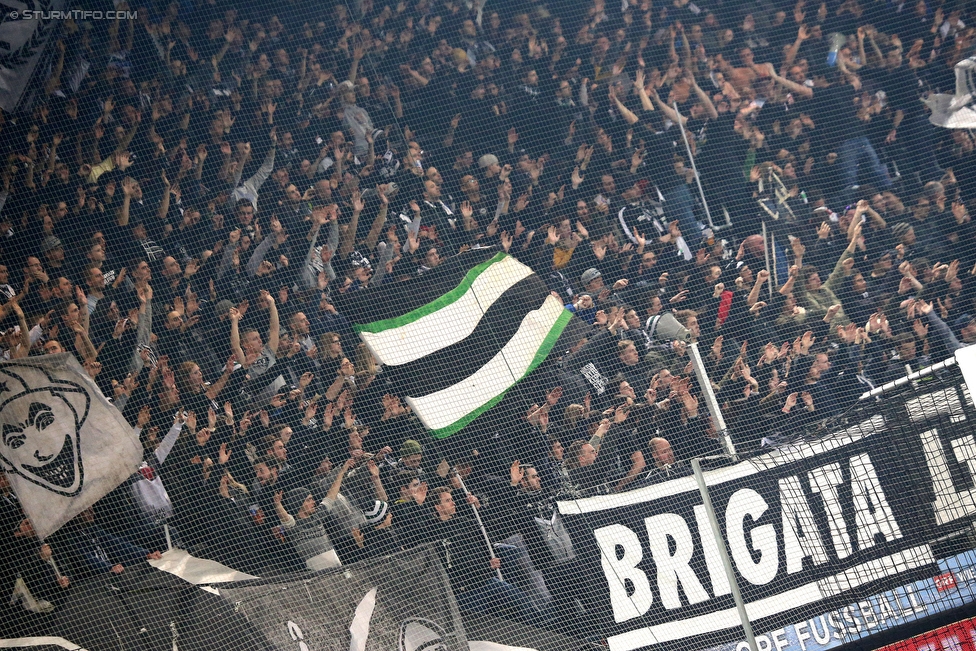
x=359, y=629
x=195, y=570
x=450, y=324
x=449, y=405
x=21, y=642
x=481, y=645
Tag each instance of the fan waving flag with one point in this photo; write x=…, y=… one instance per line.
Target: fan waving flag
x=64, y=446
x=462, y=337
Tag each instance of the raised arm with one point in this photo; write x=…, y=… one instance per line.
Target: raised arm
x=761, y=279
x=349, y=237
x=214, y=389
x=385, y=255
x=852, y=78
x=703, y=97
x=337, y=484
x=55, y=80
x=286, y=519
x=860, y=45
x=333, y=241
x=357, y=56
x=227, y=259
x=854, y=232
x=164, y=202
x=667, y=110
x=792, y=86
x=802, y=34
x=144, y=331
x=128, y=188
x=374, y=475
x=273, y=328
x=377, y=228
x=129, y=135
x=258, y=256
x=941, y=331
x=23, y=349
x=791, y=281
x=874, y=46
x=83, y=344
x=627, y=114
x=645, y=101
x=235, y=335
x=314, y=167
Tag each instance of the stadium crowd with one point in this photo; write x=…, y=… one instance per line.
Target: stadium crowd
x=183, y=214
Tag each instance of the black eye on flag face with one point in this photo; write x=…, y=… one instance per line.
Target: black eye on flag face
x=39, y=429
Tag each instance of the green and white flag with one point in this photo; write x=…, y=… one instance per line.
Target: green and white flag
x=457, y=339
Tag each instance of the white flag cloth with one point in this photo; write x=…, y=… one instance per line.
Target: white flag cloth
x=24, y=44
x=480, y=645
x=198, y=571
x=63, y=446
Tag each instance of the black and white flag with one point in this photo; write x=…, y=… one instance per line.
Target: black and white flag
x=62, y=444
x=23, y=37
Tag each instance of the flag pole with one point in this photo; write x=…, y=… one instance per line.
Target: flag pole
x=718, y=420
x=694, y=168
x=54, y=566
x=481, y=525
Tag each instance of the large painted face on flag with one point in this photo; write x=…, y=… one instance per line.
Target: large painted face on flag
x=40, y=421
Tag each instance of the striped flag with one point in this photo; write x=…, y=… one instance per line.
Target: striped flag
x=457, y=339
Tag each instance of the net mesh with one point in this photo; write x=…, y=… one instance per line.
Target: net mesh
x=485, y=325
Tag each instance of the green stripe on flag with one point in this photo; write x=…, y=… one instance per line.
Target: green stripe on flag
x=433, y=306
x=540, y=356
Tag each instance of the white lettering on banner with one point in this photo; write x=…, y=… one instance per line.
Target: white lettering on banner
x=813, y=592
x=674, y=569
x=801, y=634
x=743, y=502
x=623, y=569
x=965, y=451
x=873, y=515
x=713, y=561
x=779, y=639
x=801, y=538
x=950, y=504
x=845, y=624
x=754, y=547
x=825, y=481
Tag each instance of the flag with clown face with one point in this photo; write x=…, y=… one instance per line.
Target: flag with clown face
x=62, y=444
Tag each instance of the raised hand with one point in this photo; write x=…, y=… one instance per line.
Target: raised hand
x=224, y=454
x=790, y=402
x=515, y=473
x=552, y=237
x=145, y=415
x=357, y=201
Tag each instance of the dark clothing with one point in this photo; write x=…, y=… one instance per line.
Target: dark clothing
x=835, y=116
x=463, y=550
